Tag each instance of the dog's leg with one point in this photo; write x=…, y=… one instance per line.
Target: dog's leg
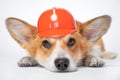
x=27, y=62
x=92, y=61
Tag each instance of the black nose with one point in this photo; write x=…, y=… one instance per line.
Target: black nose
x=62, y=64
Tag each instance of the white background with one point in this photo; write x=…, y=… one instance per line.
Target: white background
x=82, y=10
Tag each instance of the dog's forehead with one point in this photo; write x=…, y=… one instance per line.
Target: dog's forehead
x=58, y=38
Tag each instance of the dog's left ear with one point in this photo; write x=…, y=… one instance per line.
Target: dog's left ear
x=21, y=31
x=94, y=29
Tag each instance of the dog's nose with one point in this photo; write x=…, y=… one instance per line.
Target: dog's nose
x=62, y=64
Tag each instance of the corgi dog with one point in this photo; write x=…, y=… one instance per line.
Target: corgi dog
x=84, y=47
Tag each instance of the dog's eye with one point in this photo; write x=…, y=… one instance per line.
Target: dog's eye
x=71, y=42
x=46, y=44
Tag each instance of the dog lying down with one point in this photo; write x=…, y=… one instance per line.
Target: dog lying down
x=60, y=43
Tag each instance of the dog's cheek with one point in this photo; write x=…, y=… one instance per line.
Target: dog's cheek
x=41, y=56
x=78, y=54
x=75, y=53
x=40, y=59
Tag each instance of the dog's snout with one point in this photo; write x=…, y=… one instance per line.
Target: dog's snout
x=62, y=64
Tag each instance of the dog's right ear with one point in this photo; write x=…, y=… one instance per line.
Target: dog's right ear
x=94, y=29
x=21, y=31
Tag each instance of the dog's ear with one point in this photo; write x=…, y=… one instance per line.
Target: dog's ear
x=95, y=28
x=21, y=31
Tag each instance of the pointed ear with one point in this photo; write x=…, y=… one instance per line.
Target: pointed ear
x=21, y=31
x=94, y=29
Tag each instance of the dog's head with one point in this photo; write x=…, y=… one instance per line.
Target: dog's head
x=62, y=53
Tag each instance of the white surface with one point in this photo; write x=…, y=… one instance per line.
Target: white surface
x=82, y=10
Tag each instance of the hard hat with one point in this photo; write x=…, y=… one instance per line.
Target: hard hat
x=56, y=22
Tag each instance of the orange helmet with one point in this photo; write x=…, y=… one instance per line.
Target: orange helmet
x=56, y=22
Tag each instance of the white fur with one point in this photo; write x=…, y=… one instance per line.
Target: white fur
x=58, y=52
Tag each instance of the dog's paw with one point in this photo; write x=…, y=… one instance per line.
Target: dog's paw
x=92, y=61
x=81, y=63
x=27, y=62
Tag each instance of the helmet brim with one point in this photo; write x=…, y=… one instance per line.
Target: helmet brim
x=56, y=33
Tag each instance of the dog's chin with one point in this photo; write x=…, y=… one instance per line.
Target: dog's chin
x=67, y=70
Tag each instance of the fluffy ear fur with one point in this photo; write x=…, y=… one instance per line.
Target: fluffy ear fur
x=21, y=31
x=94, y=29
